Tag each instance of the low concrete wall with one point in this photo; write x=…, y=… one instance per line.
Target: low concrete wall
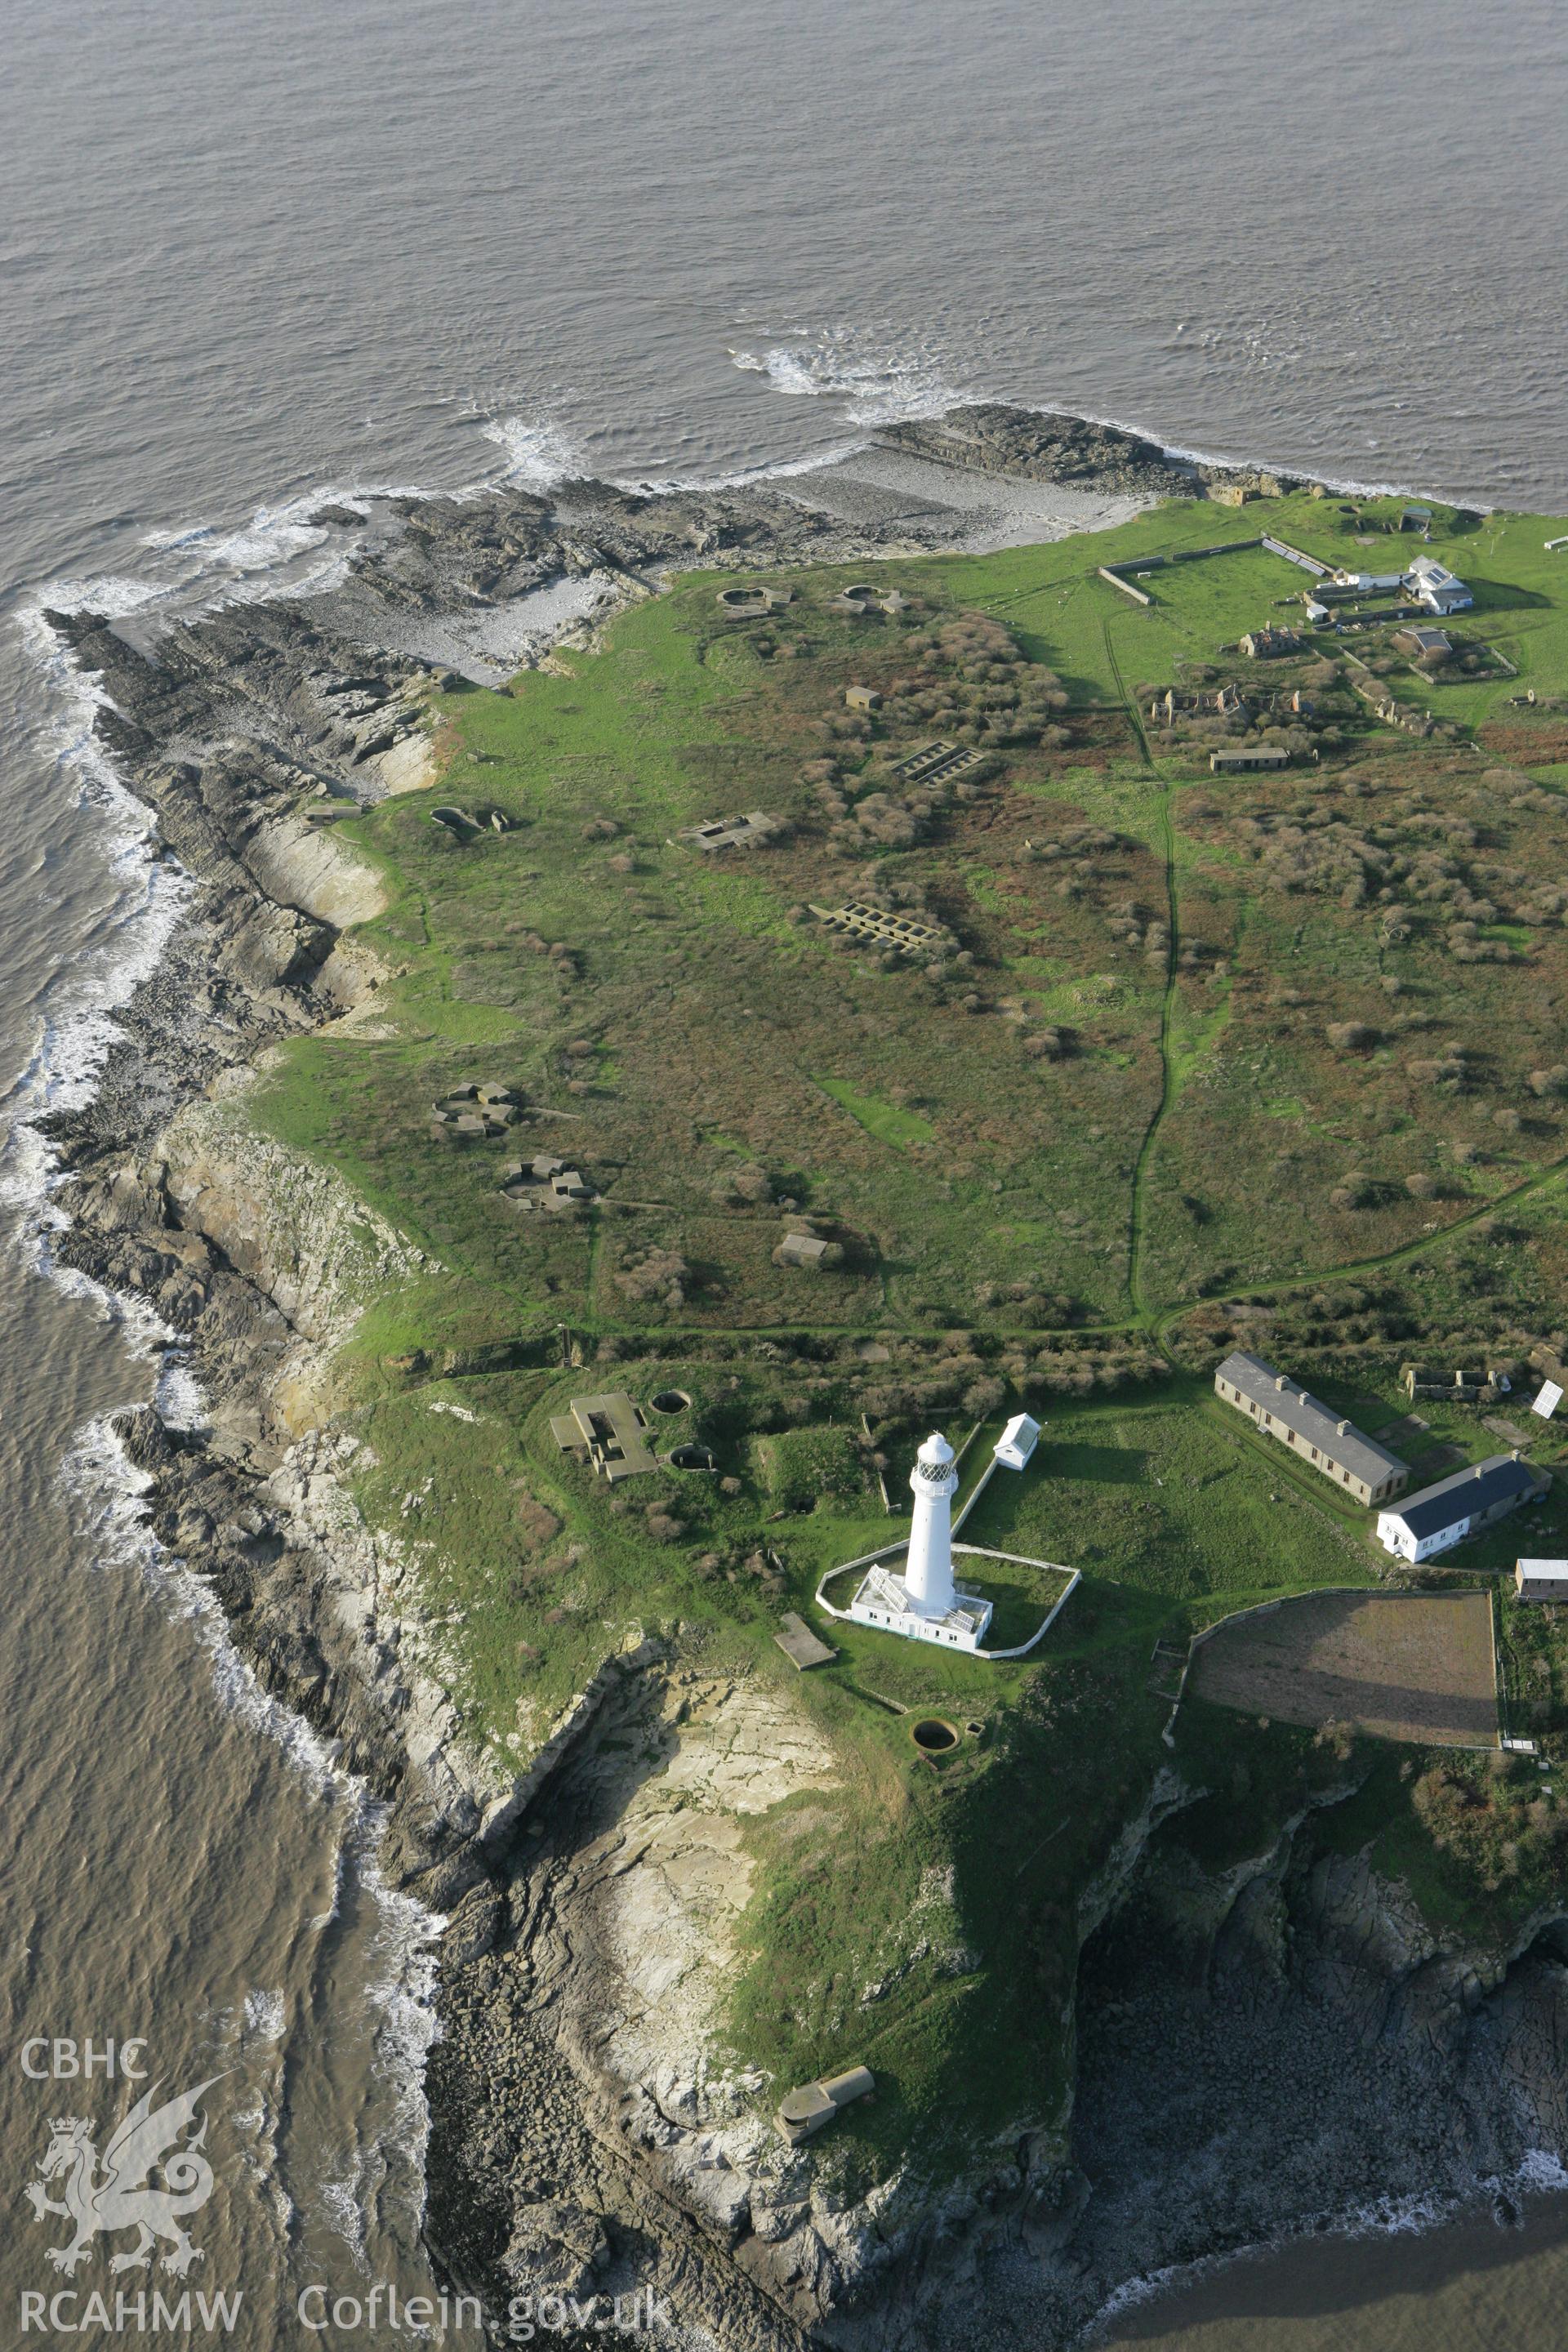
x=1126, y=586
x=1225, y=547
x=1117, y=572
x=1023, y=1648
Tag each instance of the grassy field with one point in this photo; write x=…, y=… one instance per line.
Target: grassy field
x=1193, y=1061
x=1133, y=949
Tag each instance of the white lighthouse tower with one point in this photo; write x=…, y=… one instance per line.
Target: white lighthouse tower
x=928, y=1572
x=921, y=1600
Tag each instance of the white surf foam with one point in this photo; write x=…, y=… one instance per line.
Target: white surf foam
x=875, y=381
x=249, y=2043
x=192, y=568
x=108, y=1493
x=537, y=454
x=196, y=567
x=262, y=2017
x=400, y=1969
x=743, y=476
x=879, y=383
x=150, y=891
x=868, y=382
x=1541, y=2172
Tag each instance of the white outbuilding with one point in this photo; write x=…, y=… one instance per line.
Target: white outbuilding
x=1017, y=1441
x=1541, y=1580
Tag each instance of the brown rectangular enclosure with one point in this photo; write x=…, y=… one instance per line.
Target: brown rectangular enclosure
x=1414, y=1666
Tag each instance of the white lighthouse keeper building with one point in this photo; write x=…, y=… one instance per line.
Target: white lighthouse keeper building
x=922, y=1602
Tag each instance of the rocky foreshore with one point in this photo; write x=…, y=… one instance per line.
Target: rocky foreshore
x=570, y=2148
x=1026, y=446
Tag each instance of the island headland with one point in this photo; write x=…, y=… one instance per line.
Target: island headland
x=1152, y=1965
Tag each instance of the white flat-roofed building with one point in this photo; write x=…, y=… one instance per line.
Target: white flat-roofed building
x=1541, y=1580
x=885, y=1602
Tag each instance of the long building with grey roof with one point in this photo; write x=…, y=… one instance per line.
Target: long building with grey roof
x=1319, y=1437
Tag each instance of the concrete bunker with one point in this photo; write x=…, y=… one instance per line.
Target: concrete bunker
x=749, y=600
x=606, y=1433
x=861, y=600
x=803, y=2112
x=879, y=927
x=546, y=1182
x=670, y=1401
x=460, y=825
x=936, y=763
x=718, y=832
x=933, y=1736
x=475, y=1110
x=807, y=1249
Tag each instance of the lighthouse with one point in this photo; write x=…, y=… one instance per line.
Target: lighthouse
x=928, y=1572
x=920, y=1600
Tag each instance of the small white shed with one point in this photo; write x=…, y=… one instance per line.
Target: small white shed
x=1541, y=1580
x=1017, y=1441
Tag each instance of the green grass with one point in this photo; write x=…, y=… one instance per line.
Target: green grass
x=1161, y=1492
x=885, y=1120
x=1485, y=1886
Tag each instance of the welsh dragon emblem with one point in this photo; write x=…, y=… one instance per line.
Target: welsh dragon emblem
x=120, y=2197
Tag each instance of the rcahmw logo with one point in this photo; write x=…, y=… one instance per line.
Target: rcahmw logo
x=151, y=2177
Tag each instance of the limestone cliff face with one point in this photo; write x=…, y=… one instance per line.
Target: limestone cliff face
x=298, y=865
x=1260, y=2048
x=289, y=1225
x=599, y=2010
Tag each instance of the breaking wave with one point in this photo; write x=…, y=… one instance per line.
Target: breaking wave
x=878, y=384
x=537, y=455
x=875, y=382
x=108, y=1495
x=193, y=569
